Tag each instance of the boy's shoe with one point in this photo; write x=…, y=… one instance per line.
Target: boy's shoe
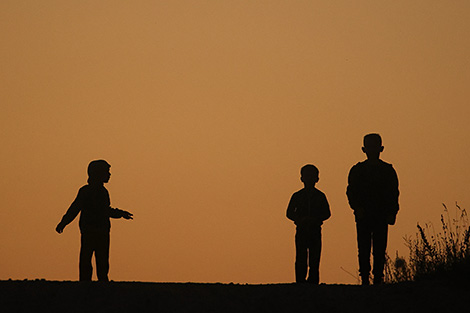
x=378, y=280
x=313, y=281
x=365, y=281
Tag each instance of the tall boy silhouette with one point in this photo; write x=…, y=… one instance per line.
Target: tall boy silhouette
x=308, y=208
x=373, y=195
x=94, y=204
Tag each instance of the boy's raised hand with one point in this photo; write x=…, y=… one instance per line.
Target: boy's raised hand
x=127, y=215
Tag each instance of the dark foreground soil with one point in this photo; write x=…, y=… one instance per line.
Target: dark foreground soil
x=55, y=296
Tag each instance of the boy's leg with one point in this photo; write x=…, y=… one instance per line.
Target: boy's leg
x=300, y=258
x=86, y=252
x=102, y=256
x=364, y=237
x=379, y=242
x=314, y=253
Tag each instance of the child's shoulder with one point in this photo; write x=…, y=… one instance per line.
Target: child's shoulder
x=303, y=191
x=358, y=166
x=85, y=187
x=367, y=163
x=83, y=190
x=89, y=188
x=385, y=163
x=386, y=167
x=319, y=192
x=298, y=192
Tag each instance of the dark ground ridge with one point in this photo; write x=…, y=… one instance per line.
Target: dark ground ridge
x=71, y=296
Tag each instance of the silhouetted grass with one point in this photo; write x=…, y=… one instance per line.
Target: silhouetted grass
x=397, y=270
x=443, y=255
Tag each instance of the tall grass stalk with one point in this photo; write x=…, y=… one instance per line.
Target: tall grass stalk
x=442, y=255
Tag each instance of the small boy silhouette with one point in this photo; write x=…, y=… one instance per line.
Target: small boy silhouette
x=308, y=208
x=94, y=204
x=373, y=195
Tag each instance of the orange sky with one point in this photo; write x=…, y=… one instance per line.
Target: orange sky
x=206, y=111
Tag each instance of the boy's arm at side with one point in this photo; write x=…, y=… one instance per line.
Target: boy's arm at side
x=353, y=194
x=395, y=191
x=291, y=210
x=117, y=213
x=326, y=213
x=70, y=215
x=351, y=191
x=394, y=194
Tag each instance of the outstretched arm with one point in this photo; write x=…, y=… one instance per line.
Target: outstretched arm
x=117, y=213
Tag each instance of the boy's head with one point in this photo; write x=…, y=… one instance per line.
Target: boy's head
x=372, y=146
x=309, y=175
x=98, y=171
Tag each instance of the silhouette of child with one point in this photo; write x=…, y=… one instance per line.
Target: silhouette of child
x=94, y=204
x=373, y=195
x=308, y=208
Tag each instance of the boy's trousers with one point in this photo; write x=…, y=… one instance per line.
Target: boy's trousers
x=372, y=235
x=97, y=242
x=307, y=255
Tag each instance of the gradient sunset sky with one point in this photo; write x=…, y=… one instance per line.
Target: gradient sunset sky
x=206, y=110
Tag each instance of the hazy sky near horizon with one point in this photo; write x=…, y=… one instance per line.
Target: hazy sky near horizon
x=206, y=110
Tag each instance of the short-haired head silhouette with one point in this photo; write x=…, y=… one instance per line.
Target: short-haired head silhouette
x=309, y=175
x=98, y=172
x=372, y=146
